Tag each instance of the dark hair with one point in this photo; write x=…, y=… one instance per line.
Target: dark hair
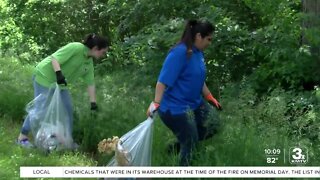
x=193, y=27
x=92, y=40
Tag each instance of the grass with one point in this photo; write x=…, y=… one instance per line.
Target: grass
x=14, y=156
x=249, y=124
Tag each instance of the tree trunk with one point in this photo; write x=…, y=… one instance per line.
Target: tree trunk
x=312, y=25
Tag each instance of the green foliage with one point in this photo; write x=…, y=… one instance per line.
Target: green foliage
x=12, y=37
x=285, y=118
x=41, y=35
x=268, y=11
x=130, y=17
x=283, y=61
x=147, y=49
x=269, y=52
x=14, y=77
x=260, y=39
x=265, y=47
x=295, y=114
x=230, y=57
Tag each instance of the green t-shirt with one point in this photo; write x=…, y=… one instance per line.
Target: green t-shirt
x=74, y=63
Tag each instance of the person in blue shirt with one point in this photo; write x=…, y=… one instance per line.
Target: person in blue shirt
x=180, y=87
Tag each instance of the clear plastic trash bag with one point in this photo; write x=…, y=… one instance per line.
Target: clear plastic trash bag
x=36, y=110
x=135, y=147
x=49, y=122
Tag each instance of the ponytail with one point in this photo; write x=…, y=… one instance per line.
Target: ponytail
x=92, y=40
x=191, y=29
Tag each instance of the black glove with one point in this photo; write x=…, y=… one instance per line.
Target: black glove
x=94, y=106
x=60, y=78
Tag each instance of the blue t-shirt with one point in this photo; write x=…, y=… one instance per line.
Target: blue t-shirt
x=184, y=77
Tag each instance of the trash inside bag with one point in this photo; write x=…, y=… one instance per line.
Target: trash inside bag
x=47, y=141
x=135, y=147
x=122, y=156
x=49, y=121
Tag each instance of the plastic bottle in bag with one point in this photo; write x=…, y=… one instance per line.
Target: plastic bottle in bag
x=47, y=140
x=52, y=142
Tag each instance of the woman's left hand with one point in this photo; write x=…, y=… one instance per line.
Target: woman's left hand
x=211, y=100
x=94, y=106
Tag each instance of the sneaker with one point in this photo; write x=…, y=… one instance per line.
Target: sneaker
x=25, y=143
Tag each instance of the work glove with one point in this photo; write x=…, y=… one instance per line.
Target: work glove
x=211, y=100
x=94, y=106
x=60, y=78
x=153, y=107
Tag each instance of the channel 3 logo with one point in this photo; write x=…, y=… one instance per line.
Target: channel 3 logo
x=298, y=155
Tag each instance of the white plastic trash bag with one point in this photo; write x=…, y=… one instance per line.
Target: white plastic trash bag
x=135, y=147
x=50, y=122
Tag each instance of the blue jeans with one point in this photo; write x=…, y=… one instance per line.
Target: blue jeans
x=189, y=128
x=66, y=100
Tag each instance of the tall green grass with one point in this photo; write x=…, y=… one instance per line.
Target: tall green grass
x=15, y=87
x=249, y=123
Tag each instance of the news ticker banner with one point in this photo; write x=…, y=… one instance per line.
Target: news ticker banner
x=171, y=172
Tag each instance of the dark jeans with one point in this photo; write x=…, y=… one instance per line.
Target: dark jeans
x=189, y=128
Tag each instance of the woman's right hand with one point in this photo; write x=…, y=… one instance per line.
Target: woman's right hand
x=60, y=78
x=153, y=107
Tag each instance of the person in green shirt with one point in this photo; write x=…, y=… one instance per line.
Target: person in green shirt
x=66, y=65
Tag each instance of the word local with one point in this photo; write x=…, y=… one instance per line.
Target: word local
x=41, y=171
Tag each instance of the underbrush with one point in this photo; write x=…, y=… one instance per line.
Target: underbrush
x=250, y=124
